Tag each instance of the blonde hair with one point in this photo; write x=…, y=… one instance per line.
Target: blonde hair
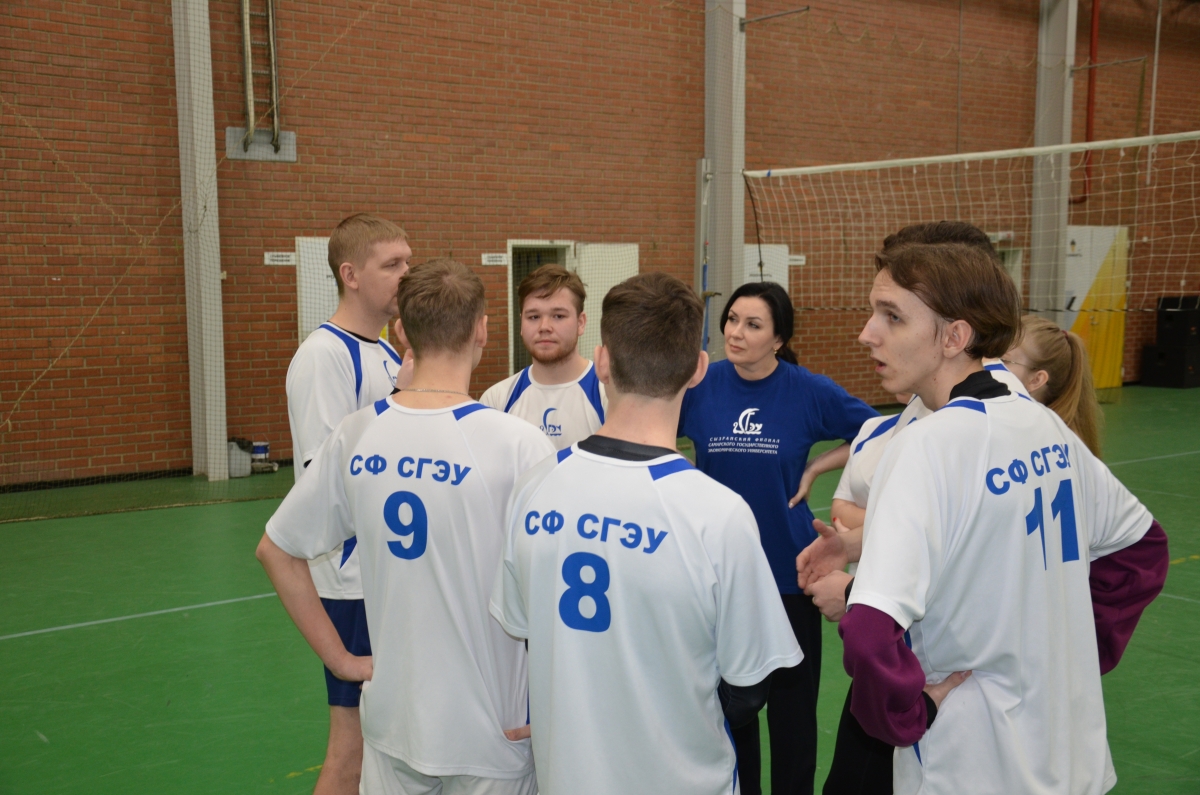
x=351, y=241
x=1069, y=390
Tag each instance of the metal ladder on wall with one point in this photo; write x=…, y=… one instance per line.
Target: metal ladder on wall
x=265, y=41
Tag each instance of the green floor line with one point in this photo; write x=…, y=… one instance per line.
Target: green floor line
x=135, y=615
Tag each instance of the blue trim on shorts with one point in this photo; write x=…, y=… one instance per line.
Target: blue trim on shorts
x=349, y=617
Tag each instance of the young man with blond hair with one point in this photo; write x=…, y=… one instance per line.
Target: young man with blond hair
x=651, y=612
x=422, y=477
x=341, y=367
x=559, y=392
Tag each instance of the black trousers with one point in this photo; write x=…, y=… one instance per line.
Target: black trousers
x=862, y=765
x=791, y=714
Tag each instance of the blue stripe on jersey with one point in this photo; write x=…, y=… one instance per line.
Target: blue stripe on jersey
x=590, y=385
x=381, y=406
x=347, y=548
x=917, y=745
x=563, y=453
x=355, y=354
x=1020, y=395
x=518, y=389
x=463, y=411
x=996, y=366
x=729, y=734
x=967, y=403
x=390, y=350
x=880, y=429
x=669, y=467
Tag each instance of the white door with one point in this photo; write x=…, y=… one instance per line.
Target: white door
x=316, y=288
x=602, y=266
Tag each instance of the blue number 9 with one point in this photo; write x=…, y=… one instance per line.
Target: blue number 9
x=418, y=527
x=577, y=589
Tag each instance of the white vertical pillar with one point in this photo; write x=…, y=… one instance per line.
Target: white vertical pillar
x=201, y=237
x=1052, y=174
x=725, y=150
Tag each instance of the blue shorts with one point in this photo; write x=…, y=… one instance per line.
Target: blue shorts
x=349, y=617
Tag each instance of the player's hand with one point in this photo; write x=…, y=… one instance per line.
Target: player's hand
x=806, y=480
x=350, y=668
x=829, y=553
x=405, y=376
x=522, y=733
x=829, y=594
x=942, y=689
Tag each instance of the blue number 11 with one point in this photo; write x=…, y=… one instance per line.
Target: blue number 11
x=1062, y=507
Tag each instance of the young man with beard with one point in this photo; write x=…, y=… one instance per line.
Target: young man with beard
x=559, y=392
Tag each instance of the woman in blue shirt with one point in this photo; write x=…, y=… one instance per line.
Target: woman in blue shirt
x=753, y=419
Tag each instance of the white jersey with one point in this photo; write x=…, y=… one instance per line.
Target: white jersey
x=867, y=448
x=982, y=553
x=566, y=413
x=334, y=374
x=425, y=492
x=640, y=585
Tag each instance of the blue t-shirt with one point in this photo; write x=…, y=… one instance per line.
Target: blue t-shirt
x=754, y=437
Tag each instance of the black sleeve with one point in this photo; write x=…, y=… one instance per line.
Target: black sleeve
x=930, y=709
x=741, y=704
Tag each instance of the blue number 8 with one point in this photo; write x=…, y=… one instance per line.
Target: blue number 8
x=577, y=589
x=418, y=528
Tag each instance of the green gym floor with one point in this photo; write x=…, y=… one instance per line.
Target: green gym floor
x=144, y=652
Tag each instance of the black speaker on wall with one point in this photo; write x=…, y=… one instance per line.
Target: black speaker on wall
x=1174, y=361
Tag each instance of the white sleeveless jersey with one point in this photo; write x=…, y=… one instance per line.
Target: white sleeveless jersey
x=639, y=584
x=334, y=374
x=982, y=522
x=425, y=493
x=867, y=448
x=566, y=413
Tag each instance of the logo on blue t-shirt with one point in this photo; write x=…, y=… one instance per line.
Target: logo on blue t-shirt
x=549, y=428
x=744, y=426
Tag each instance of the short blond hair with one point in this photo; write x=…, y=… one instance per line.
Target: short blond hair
x=351, y=241
x=440, y=301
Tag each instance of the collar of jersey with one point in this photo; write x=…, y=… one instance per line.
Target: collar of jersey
x=405, y=409
x=358, y=337
x=582, y=375
x=622, y=462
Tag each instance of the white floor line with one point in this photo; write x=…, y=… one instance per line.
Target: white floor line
x=135, y=615
x=1180, y=598
x=1153, y=458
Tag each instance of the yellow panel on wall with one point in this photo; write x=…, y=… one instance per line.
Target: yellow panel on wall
x=1101, y=319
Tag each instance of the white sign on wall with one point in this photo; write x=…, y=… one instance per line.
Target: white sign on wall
x=279, y=258
x=774, y=264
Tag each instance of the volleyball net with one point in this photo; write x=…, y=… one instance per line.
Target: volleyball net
x=1093, y=234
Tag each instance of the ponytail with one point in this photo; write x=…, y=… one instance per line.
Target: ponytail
x=1069, y=390
x=786, y=354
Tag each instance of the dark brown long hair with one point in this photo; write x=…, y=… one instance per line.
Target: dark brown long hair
x=960, y=282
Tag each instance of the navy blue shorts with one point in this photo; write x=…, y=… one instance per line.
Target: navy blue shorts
x=349, y=617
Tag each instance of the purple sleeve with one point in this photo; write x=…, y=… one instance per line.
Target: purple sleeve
x=1123, y=583
x=888, y=679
